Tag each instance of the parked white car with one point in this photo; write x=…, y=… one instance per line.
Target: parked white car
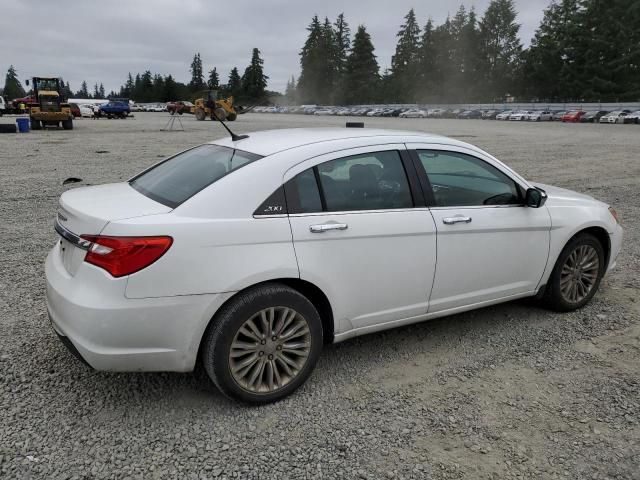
x=324, y=111
x=413, y=113
x=540, y=116
x=520, y=115
x=504, y=115
x=251, y=254
x=86, y=111
x=614, y=117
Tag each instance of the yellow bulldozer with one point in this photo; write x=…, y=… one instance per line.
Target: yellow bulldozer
x=50, y=108
x=210, y=104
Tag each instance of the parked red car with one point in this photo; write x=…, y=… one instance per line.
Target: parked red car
x=179, y=107
x=75, y=110
x=572, y=116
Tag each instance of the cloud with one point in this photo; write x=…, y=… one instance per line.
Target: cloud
x=100, y=41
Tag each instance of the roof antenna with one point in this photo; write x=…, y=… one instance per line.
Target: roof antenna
x=234, y=137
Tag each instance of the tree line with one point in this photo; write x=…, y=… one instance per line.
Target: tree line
x=147, y=87
x=583, y=50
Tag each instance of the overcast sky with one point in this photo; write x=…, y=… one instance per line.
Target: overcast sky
x=102, y=40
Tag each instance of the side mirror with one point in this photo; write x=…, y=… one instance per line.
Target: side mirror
x=535, y=197
x=26, y=82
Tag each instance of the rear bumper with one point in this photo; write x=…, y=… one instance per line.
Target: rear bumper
x=113, y=333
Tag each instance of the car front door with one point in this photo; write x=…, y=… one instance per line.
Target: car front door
x=363, y=234
x=490, y=246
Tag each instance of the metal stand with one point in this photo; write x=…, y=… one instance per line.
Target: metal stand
x=170, y=127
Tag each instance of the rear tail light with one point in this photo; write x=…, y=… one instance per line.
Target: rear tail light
x=122, y=256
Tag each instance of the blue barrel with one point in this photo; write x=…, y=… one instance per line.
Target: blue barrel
x=23, y=125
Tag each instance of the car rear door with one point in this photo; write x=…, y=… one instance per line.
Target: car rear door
x=490, y=246
x=363, y=235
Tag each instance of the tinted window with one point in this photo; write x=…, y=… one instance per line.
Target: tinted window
x=179, y=178
x=370, y=181
x=462, y=180
x=304, y=193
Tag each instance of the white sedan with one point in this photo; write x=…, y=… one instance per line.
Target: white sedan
x=250, y=254
x=413, y=113
x=614, y=117
x=541, y=116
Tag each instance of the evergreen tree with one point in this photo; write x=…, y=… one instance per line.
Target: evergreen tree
x=197, y=78
x=404, y=63
x=428, y=81
x=12, y=87
x=170, y=89
x=234, y=85
x=146, y=87
x=96, y=91
x=126, y=90
x=310, y=82
x=254, y=81
x=214, y=79
x=67, y=93
x=362, y=78
x=342, y=39
x=84, y=91
x=290, y=92
x=549, y=60
x=501, y=49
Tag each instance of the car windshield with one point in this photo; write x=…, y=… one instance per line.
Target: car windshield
x=179, y=178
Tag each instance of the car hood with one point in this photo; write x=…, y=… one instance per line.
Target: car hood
x=557, y=195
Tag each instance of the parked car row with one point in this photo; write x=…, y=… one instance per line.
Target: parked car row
x=149, y=107
x=533, y=115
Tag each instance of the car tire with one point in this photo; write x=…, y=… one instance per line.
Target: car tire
x=200, y=115
x=232, y=117
x=36, y=124
x=67, y=124
x=576, y=261
x=248, y=370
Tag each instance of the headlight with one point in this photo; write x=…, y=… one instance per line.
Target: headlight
x=614, y=214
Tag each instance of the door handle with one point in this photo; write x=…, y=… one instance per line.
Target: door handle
x=327, y=226
x=456, y=219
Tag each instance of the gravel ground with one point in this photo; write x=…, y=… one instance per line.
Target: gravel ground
x=511, y=391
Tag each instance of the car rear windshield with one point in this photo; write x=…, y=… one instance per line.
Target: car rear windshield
x=179, y=178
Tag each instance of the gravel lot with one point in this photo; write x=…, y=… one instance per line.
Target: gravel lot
x=511, y=391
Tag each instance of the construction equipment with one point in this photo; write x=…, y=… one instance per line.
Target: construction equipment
x=209, y=104
x=49, y=107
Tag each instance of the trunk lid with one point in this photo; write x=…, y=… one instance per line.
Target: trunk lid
x=87, y=210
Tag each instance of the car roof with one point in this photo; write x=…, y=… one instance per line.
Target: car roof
x=269, y=142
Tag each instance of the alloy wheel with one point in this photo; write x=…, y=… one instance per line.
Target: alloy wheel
x=270, y=349
x=579, y=273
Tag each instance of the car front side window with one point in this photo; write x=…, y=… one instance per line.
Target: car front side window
x=460, y=180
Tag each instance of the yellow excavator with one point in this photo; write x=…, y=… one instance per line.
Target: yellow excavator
x=210, y=104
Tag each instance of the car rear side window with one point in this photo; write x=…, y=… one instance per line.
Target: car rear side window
x=371, y=181
x=179, y=178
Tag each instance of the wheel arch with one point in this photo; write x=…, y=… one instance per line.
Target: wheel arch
x=602, y=236
x=311, y=291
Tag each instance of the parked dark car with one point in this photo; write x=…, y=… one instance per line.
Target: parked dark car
x=592, y=116
x=115, y=108
x=633, y=117
x=75, y=110
x=490, y=114
x=470, y=114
